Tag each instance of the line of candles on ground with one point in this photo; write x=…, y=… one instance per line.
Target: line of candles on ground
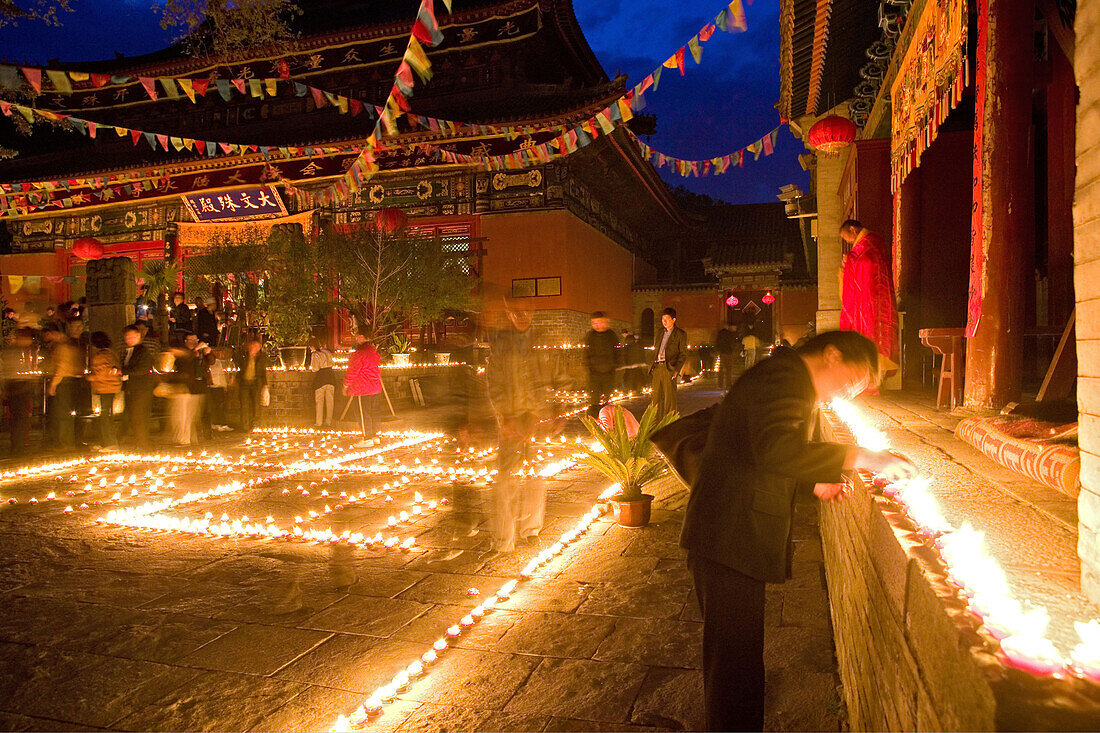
x=387, y=693
x=1020, y=627
x=151, y=515
x=99, y=466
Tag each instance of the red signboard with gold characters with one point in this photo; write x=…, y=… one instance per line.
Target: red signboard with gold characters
x=930, y=81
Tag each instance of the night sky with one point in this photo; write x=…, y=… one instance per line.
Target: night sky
x=717, y=108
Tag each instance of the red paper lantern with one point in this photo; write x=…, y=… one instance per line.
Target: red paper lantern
x=832, y=134
x=768, y=298
x=88, y=248
x=390, y=220
x=732, y=301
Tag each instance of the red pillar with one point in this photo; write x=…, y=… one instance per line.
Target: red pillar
x=1005, y=235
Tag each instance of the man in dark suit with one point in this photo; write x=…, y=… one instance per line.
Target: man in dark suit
x=138, y=382
x=669, y=353
x=206, y=323
x=737, y=529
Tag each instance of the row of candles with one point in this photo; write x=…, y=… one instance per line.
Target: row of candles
x=98, y=467
x=385, y=694
x=1019, y=627
x=151, y=515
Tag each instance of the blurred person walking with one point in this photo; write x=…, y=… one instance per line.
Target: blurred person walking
x=517, y=392
x=138, y=382
x=105, y=378
x=601, y=358
x=251, y=379
x=188, y=393
x=363, y=382
x=634, y=366
x=324, y=382
x=725, y=344
x=217, y=384
x=20, y=376
x=66, y=371
x=751, y=345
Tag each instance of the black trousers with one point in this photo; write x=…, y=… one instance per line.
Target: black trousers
x=137, y=409
x=600, y=387
x=733, y=645
x=249, y=393
x=21, y=404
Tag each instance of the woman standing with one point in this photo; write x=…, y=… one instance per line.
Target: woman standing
x=324, y=382
x=105, y=378
x=363, y=381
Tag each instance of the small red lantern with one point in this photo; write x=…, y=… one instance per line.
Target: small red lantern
x=732, y=301
x=831, y=134
x=390, y=220
x=88, y=248
x=768, y=298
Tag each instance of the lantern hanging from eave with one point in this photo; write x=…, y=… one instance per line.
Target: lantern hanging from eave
x=391, y=219
x=768, y=298
x=831, y=134
x=88, y=248
x=732, y=301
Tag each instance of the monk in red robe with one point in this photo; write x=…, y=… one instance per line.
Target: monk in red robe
x=867, y=290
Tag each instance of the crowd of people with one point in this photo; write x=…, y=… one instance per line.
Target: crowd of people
x=95, y=393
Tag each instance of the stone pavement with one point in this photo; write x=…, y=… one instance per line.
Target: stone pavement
x=107, y=627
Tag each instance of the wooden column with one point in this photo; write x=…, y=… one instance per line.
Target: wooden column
x=907, y=257
x=1007, y=226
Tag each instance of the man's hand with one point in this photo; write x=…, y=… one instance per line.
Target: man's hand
x=829, y=493
x=883, y=463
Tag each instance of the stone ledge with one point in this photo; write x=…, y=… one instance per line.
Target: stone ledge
x=912, y=656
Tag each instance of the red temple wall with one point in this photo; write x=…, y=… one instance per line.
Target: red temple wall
x=595, y=272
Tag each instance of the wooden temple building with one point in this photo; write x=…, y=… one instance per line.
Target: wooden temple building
x=565, y=237
x=975, y=152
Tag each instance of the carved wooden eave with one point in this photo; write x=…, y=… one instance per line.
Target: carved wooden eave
x=149, y=65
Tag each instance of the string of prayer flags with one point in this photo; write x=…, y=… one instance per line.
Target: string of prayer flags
x=425, y=32
x=711, y=166
x=730, y=19
x=160, y=141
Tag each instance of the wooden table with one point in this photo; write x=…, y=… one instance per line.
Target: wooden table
x=951, y=344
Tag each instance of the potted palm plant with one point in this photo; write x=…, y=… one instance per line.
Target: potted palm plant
x=628, y=460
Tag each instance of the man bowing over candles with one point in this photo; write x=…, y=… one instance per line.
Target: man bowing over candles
x=737, y=529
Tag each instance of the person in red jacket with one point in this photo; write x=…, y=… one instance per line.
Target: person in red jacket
x=363, y=381
x=867, y=290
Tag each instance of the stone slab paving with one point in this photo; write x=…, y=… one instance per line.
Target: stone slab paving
x=114, y=628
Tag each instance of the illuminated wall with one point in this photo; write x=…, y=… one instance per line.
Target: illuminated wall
x=1086, y=220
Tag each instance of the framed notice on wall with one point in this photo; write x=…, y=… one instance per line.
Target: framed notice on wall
x=536, y=287
x=548, y=286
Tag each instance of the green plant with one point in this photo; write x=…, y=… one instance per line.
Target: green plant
x=628, y=461
x=399, y=344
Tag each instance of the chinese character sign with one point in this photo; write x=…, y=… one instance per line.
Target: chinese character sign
x=254, y=202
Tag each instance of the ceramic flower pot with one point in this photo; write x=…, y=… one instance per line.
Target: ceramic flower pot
x=633, y=513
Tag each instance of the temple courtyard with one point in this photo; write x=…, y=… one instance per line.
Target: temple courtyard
x=236, y=618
